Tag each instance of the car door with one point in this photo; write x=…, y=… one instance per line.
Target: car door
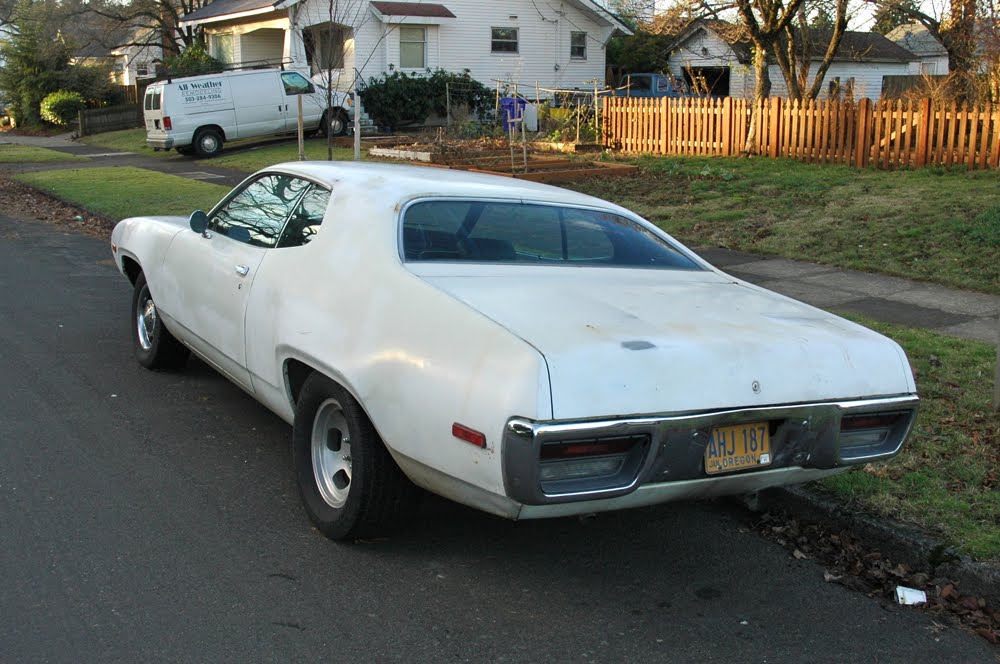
x=214, y=271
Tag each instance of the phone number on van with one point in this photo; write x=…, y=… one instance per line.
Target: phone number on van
x=216, y=96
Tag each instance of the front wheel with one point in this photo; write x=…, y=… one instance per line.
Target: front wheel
x=335, y=122
x=155, y=347
x=349, y=484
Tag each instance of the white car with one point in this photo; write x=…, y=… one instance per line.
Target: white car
x=523, y=349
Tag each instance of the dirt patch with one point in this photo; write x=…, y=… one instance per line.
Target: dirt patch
x=25, y=202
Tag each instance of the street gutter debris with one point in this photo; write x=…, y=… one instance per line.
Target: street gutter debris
x=849, y=563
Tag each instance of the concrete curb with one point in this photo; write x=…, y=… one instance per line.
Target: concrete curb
x=901, y=542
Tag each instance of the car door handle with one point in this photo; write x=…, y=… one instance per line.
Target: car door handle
x=242, y=270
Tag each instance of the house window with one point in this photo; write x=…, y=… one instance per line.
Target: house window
x=324, y=45
x=578, y=45
x=504, y=40
x=222, y=47
x=928, y=68
x=412, y=48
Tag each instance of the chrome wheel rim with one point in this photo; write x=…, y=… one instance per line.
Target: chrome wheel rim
x=146, y=319
x=331, y=453
x=337, y=125
x=209, y=143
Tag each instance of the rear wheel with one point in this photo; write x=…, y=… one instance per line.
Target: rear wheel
x=349, y=484
x=155, y=347
x=207, y=142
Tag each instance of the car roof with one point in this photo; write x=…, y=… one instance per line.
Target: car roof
x=400, y=182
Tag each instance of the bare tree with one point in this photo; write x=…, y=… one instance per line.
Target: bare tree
x=955, y=28
x=801, y=41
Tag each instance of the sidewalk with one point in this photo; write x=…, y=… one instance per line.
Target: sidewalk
x=175, y=164
x=949, y=311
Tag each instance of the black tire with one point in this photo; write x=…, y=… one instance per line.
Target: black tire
x=349, y=483
x=207, y=142
x=335, y=122
x=155, y=347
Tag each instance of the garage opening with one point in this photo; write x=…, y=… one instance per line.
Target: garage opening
x=712, y=81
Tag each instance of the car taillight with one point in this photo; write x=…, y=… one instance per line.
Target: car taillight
x=871, y=434
x=166, y=122
x=586, y=459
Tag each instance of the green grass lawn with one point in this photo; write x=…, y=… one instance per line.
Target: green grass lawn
x=26, y=154
x=947, y=478
x=124, y=140
x=240, y=155
x=119, y=192
x=930, y=224
x=256, y=158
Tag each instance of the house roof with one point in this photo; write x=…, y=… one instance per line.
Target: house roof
x=854, y=46
x=916, y=39
x=412, y=9
x=219, y=10
x=226, y=8
x=864, y=47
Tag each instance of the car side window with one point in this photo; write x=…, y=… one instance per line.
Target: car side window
x=305, y=221
x=257, y=214
x=296, y=84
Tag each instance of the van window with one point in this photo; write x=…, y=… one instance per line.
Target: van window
x=296, y=84
x=156, y=99
x=148, y=101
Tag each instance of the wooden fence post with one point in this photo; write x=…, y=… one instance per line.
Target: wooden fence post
x=924, y=120
x=727, y=127
x=862, y=146
x=773, y=118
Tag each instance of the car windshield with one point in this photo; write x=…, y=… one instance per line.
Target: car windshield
x=526, y=233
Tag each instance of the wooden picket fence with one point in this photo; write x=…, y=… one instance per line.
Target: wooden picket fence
x=885, y=134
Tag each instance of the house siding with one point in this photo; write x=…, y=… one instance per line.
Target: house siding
x=706, y=49
x=454, y=44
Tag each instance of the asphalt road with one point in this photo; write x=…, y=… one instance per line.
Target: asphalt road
x=148, y=517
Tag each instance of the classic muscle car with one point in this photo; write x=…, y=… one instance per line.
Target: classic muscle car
x=520, y=348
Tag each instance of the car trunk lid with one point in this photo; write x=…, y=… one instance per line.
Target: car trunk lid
x=622, y=342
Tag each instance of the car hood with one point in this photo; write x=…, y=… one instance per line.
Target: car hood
x=627, y=342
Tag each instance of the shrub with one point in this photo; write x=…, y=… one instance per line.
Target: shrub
x=194, y=60
x=399, y=99
x=62, y=107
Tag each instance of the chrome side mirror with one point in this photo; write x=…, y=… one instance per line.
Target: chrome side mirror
x=198, y=221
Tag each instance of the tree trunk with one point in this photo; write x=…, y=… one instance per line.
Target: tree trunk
x=762, y=90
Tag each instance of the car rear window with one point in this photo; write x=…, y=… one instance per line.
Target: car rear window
x=528, y=233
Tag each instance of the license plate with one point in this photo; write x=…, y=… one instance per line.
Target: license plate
x=738, y=447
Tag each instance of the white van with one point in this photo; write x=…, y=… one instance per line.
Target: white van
x=197, y=114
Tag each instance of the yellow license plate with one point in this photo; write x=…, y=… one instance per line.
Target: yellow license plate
x=738, y=447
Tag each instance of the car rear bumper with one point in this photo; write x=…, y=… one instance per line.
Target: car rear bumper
x=663, y=457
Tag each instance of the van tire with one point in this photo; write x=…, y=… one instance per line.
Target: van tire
x=334, y=122
x=207, y=142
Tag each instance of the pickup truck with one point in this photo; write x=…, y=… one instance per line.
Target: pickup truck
x=652, y=85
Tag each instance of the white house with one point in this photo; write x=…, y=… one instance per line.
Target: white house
x=712, y=52
x=556, y=44
x=915, y=38
x=136, y=58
